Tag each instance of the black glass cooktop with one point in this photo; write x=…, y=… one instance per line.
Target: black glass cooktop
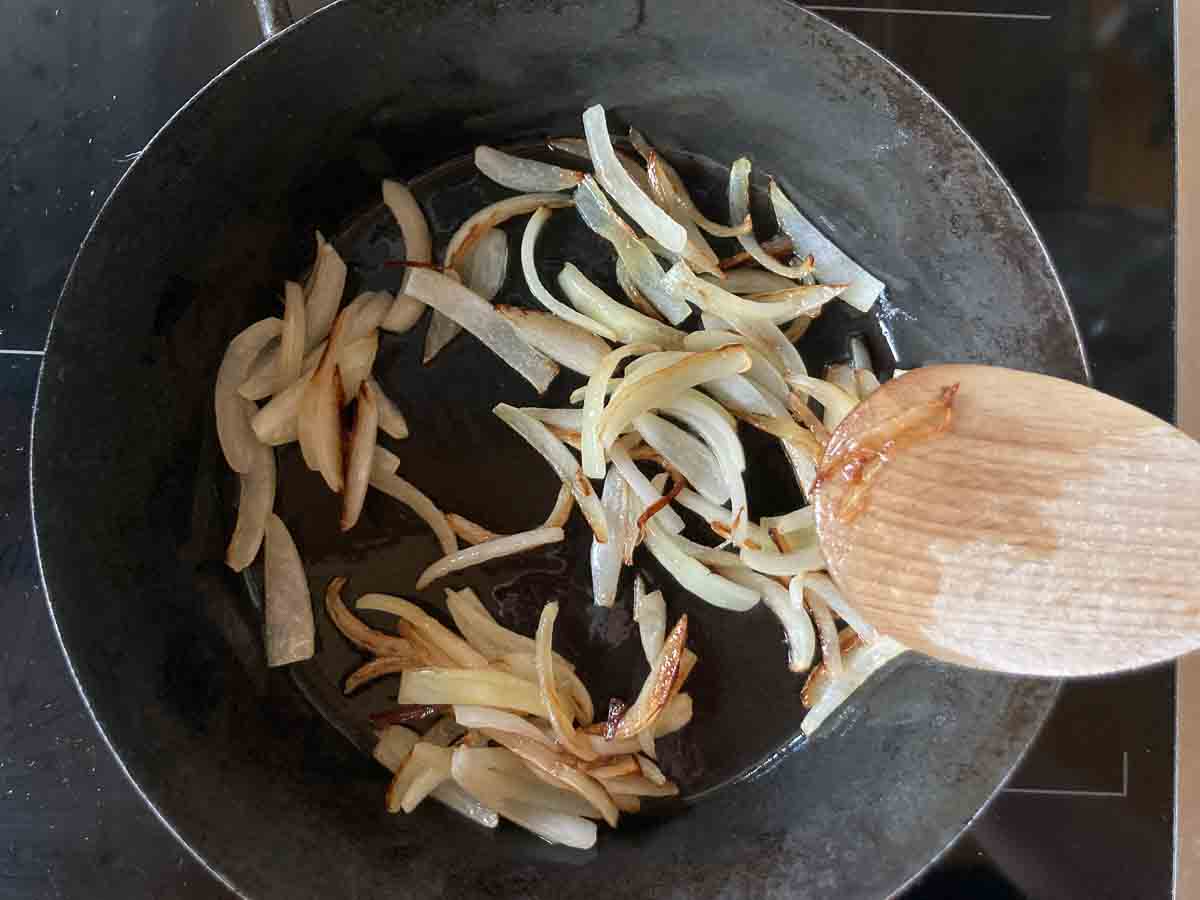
x=1072, y=99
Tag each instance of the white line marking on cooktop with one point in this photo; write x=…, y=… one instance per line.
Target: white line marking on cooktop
x=23, y=352
x=1123, y=792
x=961, y=13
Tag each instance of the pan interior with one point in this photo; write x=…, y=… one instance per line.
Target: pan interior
x=469, y=462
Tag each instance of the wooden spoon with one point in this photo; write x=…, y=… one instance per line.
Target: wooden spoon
x=1050, y=530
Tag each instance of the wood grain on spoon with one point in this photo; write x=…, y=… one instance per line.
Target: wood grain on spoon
x=1051, y=530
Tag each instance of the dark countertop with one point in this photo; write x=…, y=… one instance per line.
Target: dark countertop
x=1072, y=99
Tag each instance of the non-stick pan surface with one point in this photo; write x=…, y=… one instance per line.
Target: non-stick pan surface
x=258, y=771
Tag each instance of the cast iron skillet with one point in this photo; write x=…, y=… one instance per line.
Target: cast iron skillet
x=133, y=506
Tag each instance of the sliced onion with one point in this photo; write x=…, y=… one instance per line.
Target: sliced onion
x=385, y=462
x=360, y=457
x=742, y=396
x=426, y=767
x=831, y=647
x=356, y=362
x=472, y=230
x=830, y=263
x=394, y=745
x=779, y=247
x=762, y=370
x=560, y=767
x=712, y=298
x=805, y=559
x=657, y=689
x=663, y=386
x=288, y=630
x=709, y=556
x=488, y=551
x=399, y=489
x=292, y=340
x=823, y=694
x=358, y=632
x=564, y=419
x=497, y=793
x=563, y=341
x=529, y=266
x=365, y=313
x=634, y=294
x=836, y=401
x=471, y=532
x=629, y=325
x=686, y=453
x=693, y=575
x=237, y=437
x=524, y=665
x=391, y=420
x=640, y=786
x=610, y=173
x=255, y=501
x=593, y=402
x=452, y=795
x=324, y=296
x=485, y=634
x=403, y=314
x=433, y=631
x=556, y=453
x=867, y=383
x=579, y=147
x=418, y=245
x=319, y=418
x=477, y=316
x=823, y=587
x=560, y=720
x=606, y=558
x=667, y=197
x=526, y=175
x=382, y=666
x=676, y=714
x=484, y=269
x=471, y=687
x=789, y=609
x=597, y=213
x=773, y=342
x=650, y=612
x=739, y=209
x=749, y=281
x=480, y=717
x=650, y=771
x=802, y=519
x=667, y=518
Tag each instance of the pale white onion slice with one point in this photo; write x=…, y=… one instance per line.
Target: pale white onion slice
x=827, y=631
x=709, y=556
x=831, y=264
x=788, y=608
x=803, y=519
x=821, y=585
x=426, y=768
x=394, y=745
x=524, y=665
x=529, y=266
x=842, y=376
x=667, y=518
x=664, y=193
x=639, y=786
x=477, y=316
x=693, y=575
x=385, y=480
x=360, y=457
x=319, y=419
x=454, y=796
x=560, y=720
x=714, y=299
x=579, y=147
x=472, y=230
x=428, y=628
x=288, y=630
x=762, y=369
x=559, y=767
x=355, y=364
x=721, y=520
x=746, y=281
x=629, y=325
x=470, y=687
x=836, y=401
x=488, y=636
x=739, y=209
x=563, y=419
x=418, y=244
x=804, y=559
x=529, y=784
x=488, y=551
x=860, y=355
x=579, y=349
x=526, y=175
x=742, y=396
x=774, y=343
x=562, y=461
x=479, y=717
x=403, y=314
x=593, y=406
x=255, y=501
x=391, y=420
x=292, y=340
x=233, y=411
x=606, y=559
x=597, y=213
x=324, y=295
x=663, y=386
x=650, y=612
x=497, y=793
x=631, y=198
x=685, y=452
x=484, y=269
x=365, y=313
x=862, y=661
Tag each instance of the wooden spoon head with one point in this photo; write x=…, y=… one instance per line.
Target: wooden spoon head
x=1050, y=530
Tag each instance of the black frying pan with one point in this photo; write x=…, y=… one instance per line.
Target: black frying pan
x=258, y=771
